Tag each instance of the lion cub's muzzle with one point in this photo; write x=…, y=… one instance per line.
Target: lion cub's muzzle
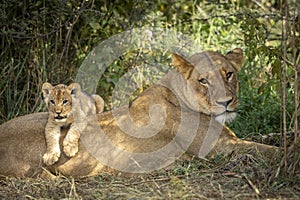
x=60, y=118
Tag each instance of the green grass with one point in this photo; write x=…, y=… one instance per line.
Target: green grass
x=47, y=41
x=243, y=175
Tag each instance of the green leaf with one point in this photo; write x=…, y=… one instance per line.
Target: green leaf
x=95, y=25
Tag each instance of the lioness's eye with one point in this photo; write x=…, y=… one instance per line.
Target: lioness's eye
x=203, y=81
x=52, y=102
x=229, y=75
x=65, y=102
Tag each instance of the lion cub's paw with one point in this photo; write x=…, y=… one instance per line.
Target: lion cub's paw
x=50, y=158
x=70, y=149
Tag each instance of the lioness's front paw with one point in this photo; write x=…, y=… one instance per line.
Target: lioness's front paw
x=50, y=158
x=70, y=149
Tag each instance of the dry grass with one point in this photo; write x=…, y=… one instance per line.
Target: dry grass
x=241, y=175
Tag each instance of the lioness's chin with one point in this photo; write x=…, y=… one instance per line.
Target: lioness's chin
x=226, y=117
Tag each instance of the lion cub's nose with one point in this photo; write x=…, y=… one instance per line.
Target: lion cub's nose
x=225, y=103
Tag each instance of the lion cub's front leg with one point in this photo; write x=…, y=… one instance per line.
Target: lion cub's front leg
x=70, y=142
x=52, y=154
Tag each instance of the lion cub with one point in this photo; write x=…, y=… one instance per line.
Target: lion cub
x=67, y=105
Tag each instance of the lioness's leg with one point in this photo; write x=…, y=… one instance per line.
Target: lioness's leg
x=52, y=134
x=70, y=142
x=99, y=103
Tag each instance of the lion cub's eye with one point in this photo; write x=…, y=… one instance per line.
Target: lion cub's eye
x=229, y=75
x=52, y=102
x=203, y=81
x=65, y=102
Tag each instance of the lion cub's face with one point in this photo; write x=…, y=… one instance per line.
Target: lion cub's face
x=58, y=100
x=213, y=78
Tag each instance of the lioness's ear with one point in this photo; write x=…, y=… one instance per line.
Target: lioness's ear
x=236, y=58
x=74, y=89
x=46, y=89
x=182, y=65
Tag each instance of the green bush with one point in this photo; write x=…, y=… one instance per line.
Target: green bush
x=48, y=40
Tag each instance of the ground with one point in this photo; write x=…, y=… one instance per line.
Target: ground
x=241, y=175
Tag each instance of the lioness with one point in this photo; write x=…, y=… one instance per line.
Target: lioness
x=183, y=112
x=67, y=106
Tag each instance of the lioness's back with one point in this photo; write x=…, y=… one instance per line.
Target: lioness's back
x=16, y=154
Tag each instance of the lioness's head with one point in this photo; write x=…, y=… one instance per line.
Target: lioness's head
x=213, y=78
x=58, y=99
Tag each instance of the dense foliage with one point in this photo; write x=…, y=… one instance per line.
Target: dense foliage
x=48, y=40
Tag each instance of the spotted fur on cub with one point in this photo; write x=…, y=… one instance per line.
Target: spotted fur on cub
x=67, y=106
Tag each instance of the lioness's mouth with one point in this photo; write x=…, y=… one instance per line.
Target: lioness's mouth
x=226, y=116
x=226, y=112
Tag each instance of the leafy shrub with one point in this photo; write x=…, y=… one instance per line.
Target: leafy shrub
x=48, y=40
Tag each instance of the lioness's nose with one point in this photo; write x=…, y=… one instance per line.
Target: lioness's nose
x=225, y=103
x=58, y=112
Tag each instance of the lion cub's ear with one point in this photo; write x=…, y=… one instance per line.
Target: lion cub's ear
x=182, y=65
x=74, y=89
x=236, y=58
x=46, y=90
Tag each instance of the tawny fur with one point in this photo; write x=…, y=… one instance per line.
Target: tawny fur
x=203, y=95
x=67, y=106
